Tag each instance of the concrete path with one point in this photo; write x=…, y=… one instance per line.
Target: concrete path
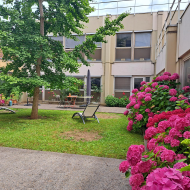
x=22, y=169
x=56, y=107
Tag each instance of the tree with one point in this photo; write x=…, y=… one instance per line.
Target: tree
x=24, y=40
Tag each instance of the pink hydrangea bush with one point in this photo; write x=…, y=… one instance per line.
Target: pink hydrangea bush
x=157, y=96
x=167, y=164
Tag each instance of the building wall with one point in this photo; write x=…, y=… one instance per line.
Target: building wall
x=161, y=61
x=134, y=68
x=184, y=33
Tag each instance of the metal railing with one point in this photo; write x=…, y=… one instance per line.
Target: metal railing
x=134, y=5
x=161, y=41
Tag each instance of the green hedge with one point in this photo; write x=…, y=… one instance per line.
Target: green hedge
x=116, y=102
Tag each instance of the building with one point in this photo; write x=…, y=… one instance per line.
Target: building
x=150, y=44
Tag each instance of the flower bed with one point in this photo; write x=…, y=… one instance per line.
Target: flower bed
x=159, y=95
x=167, y=164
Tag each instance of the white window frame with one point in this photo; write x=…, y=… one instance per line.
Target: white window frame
x=133, y=80
x=143, y=47
x=128, y=32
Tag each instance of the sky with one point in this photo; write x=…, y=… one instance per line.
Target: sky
x=128, y=5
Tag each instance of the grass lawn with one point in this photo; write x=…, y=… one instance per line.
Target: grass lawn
x=56, y=131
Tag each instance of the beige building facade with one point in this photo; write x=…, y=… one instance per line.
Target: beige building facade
x=149, y=44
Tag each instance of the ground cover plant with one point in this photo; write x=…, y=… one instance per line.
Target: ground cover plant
x=56, y=131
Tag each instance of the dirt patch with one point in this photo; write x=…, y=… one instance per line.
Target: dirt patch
x=77, y=135
x=106, y=116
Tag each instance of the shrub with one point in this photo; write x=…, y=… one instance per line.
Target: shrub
x=166, y=164
x=122, y=102
x=116, y=102
x=111, y=101
x=159, y=95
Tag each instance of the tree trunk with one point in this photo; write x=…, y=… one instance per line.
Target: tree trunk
x=34, y=114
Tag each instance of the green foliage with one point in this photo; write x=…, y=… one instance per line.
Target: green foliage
x=112, y=101
x=123, y=101
x=62, y=19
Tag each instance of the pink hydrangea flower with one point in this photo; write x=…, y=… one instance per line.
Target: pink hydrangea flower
x=134, y=154
x=181, y=123
x=135, y=90
x=135, y=169
x=174, y=133
x=150, y=132
x=147, y=110
x=136, y=180
x=165, y=77
x=175, y=143
x=174, y=76
x=172, y=92
x=141, y=87
x=168, y=139
x=144, y=167
x=168, y=155
x=139, y=117
x=148, y=98
x=173, y=99
x=126, y=112
x=186, y=183
x=164, y=178
x=180, y=165
x=186, y=88
x=140, y=96
x=158, y=79
x=159, y=150
x=152, y=144
x=151, y=114
x=154, y=84
x=129, y=128
x=167, y=73
x=143, y=82
x=148, y=89
x=180, y=157
x=148, y=94
x=186, y=135
x=137, y=106
x=124, y=166
x=162, y=126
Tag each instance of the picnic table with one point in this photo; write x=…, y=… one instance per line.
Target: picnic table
x=71, y=103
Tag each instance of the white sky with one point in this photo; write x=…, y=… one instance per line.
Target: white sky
x=126, y=3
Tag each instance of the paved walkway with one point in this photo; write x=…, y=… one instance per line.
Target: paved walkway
x=56, y=107
x=22, y=169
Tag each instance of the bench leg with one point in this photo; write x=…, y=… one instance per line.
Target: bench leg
x=96, y=118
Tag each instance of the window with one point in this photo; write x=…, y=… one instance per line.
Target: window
x=137, y=83
x=187, y=73
x=59, y=38
x=123, y=47
x=96, y=89
x=124, y=40
x=122, y=84
x=70, y=43
x=142, y=49
x=147, y=79
x=97, y=56
x=81, y=90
